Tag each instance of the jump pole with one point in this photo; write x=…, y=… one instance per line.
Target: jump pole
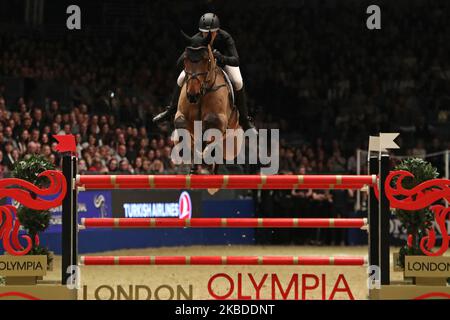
x=225, y=181
x=124, y=223
x=77, y=183
x=222, y=260
x=373, y=215
x=384, y=213
x=69, y=223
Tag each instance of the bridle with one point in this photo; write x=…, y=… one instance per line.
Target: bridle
x=207, y=85
x=195, y=76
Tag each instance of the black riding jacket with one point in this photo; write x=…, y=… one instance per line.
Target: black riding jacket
x=223, y=43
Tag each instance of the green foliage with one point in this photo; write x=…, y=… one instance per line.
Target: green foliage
x=421, y=169
x=415, y=222
x=29, y=169
x=34, y=221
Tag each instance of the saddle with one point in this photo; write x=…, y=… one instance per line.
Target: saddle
x=233, y=122
x=230, y=87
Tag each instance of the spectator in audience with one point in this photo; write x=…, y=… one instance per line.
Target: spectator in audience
x=138, y=166
x=146, y=166
x=3, y=168
x=8, y=159
x=124, y=167
x=23, y=141
x=157, y=167
x=113, y=166
x=121, y=153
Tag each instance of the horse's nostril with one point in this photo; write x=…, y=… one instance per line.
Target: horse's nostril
x=192, y=98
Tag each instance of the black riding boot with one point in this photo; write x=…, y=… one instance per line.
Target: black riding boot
x=241, y=104
x=170, y=109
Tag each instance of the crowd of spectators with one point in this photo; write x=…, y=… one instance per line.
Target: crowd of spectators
x=102, y=144
x=313, y=72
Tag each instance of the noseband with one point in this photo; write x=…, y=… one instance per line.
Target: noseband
x=195, y=76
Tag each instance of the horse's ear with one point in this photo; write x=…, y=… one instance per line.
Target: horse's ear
x=186, y=37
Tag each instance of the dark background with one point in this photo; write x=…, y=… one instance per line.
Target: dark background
x=293, y=55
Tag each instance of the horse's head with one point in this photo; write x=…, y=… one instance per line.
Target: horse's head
x=198, y=63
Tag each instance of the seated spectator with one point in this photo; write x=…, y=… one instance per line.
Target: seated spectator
x=146, y=167
x=121, y=153
x=3, y=168
x=96, y=166
x=124, y=167
x=157, y=167
x=82, y=169
x=15, y=156
x=113, y=166
x=138, y=166
x=8, y=159
x=23, y=142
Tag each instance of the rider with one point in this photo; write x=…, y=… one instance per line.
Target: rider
x=227, y=57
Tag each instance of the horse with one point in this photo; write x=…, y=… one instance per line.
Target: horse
x=206, y=96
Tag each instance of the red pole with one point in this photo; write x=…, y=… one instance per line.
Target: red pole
x=222, y=260
x=122, y=223
x=225, y=181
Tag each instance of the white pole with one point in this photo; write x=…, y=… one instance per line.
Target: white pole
x=447, y=160
x=447, y=169
x=358, y=172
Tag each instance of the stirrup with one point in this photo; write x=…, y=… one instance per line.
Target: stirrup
x=163, y=116
x=247, y=124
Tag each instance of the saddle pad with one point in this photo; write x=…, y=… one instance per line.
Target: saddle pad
x=230, y=85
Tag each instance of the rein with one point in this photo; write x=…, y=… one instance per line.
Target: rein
x=213, y=87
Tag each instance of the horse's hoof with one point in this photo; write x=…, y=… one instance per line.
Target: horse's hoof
x=212, y=191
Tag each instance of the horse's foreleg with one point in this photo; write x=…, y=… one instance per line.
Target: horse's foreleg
x=180, y=121
x=212, y=121
x=213, y=139
x=182, y=150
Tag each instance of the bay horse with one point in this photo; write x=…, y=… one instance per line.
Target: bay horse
x=206, y=96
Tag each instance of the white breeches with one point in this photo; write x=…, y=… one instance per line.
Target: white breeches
x=233, y=72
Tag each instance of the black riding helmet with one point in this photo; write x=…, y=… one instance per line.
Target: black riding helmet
x=209, y=22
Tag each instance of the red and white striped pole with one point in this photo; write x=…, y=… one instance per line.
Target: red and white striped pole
x=123, y=223
x=225, y=181
x=222, y=260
